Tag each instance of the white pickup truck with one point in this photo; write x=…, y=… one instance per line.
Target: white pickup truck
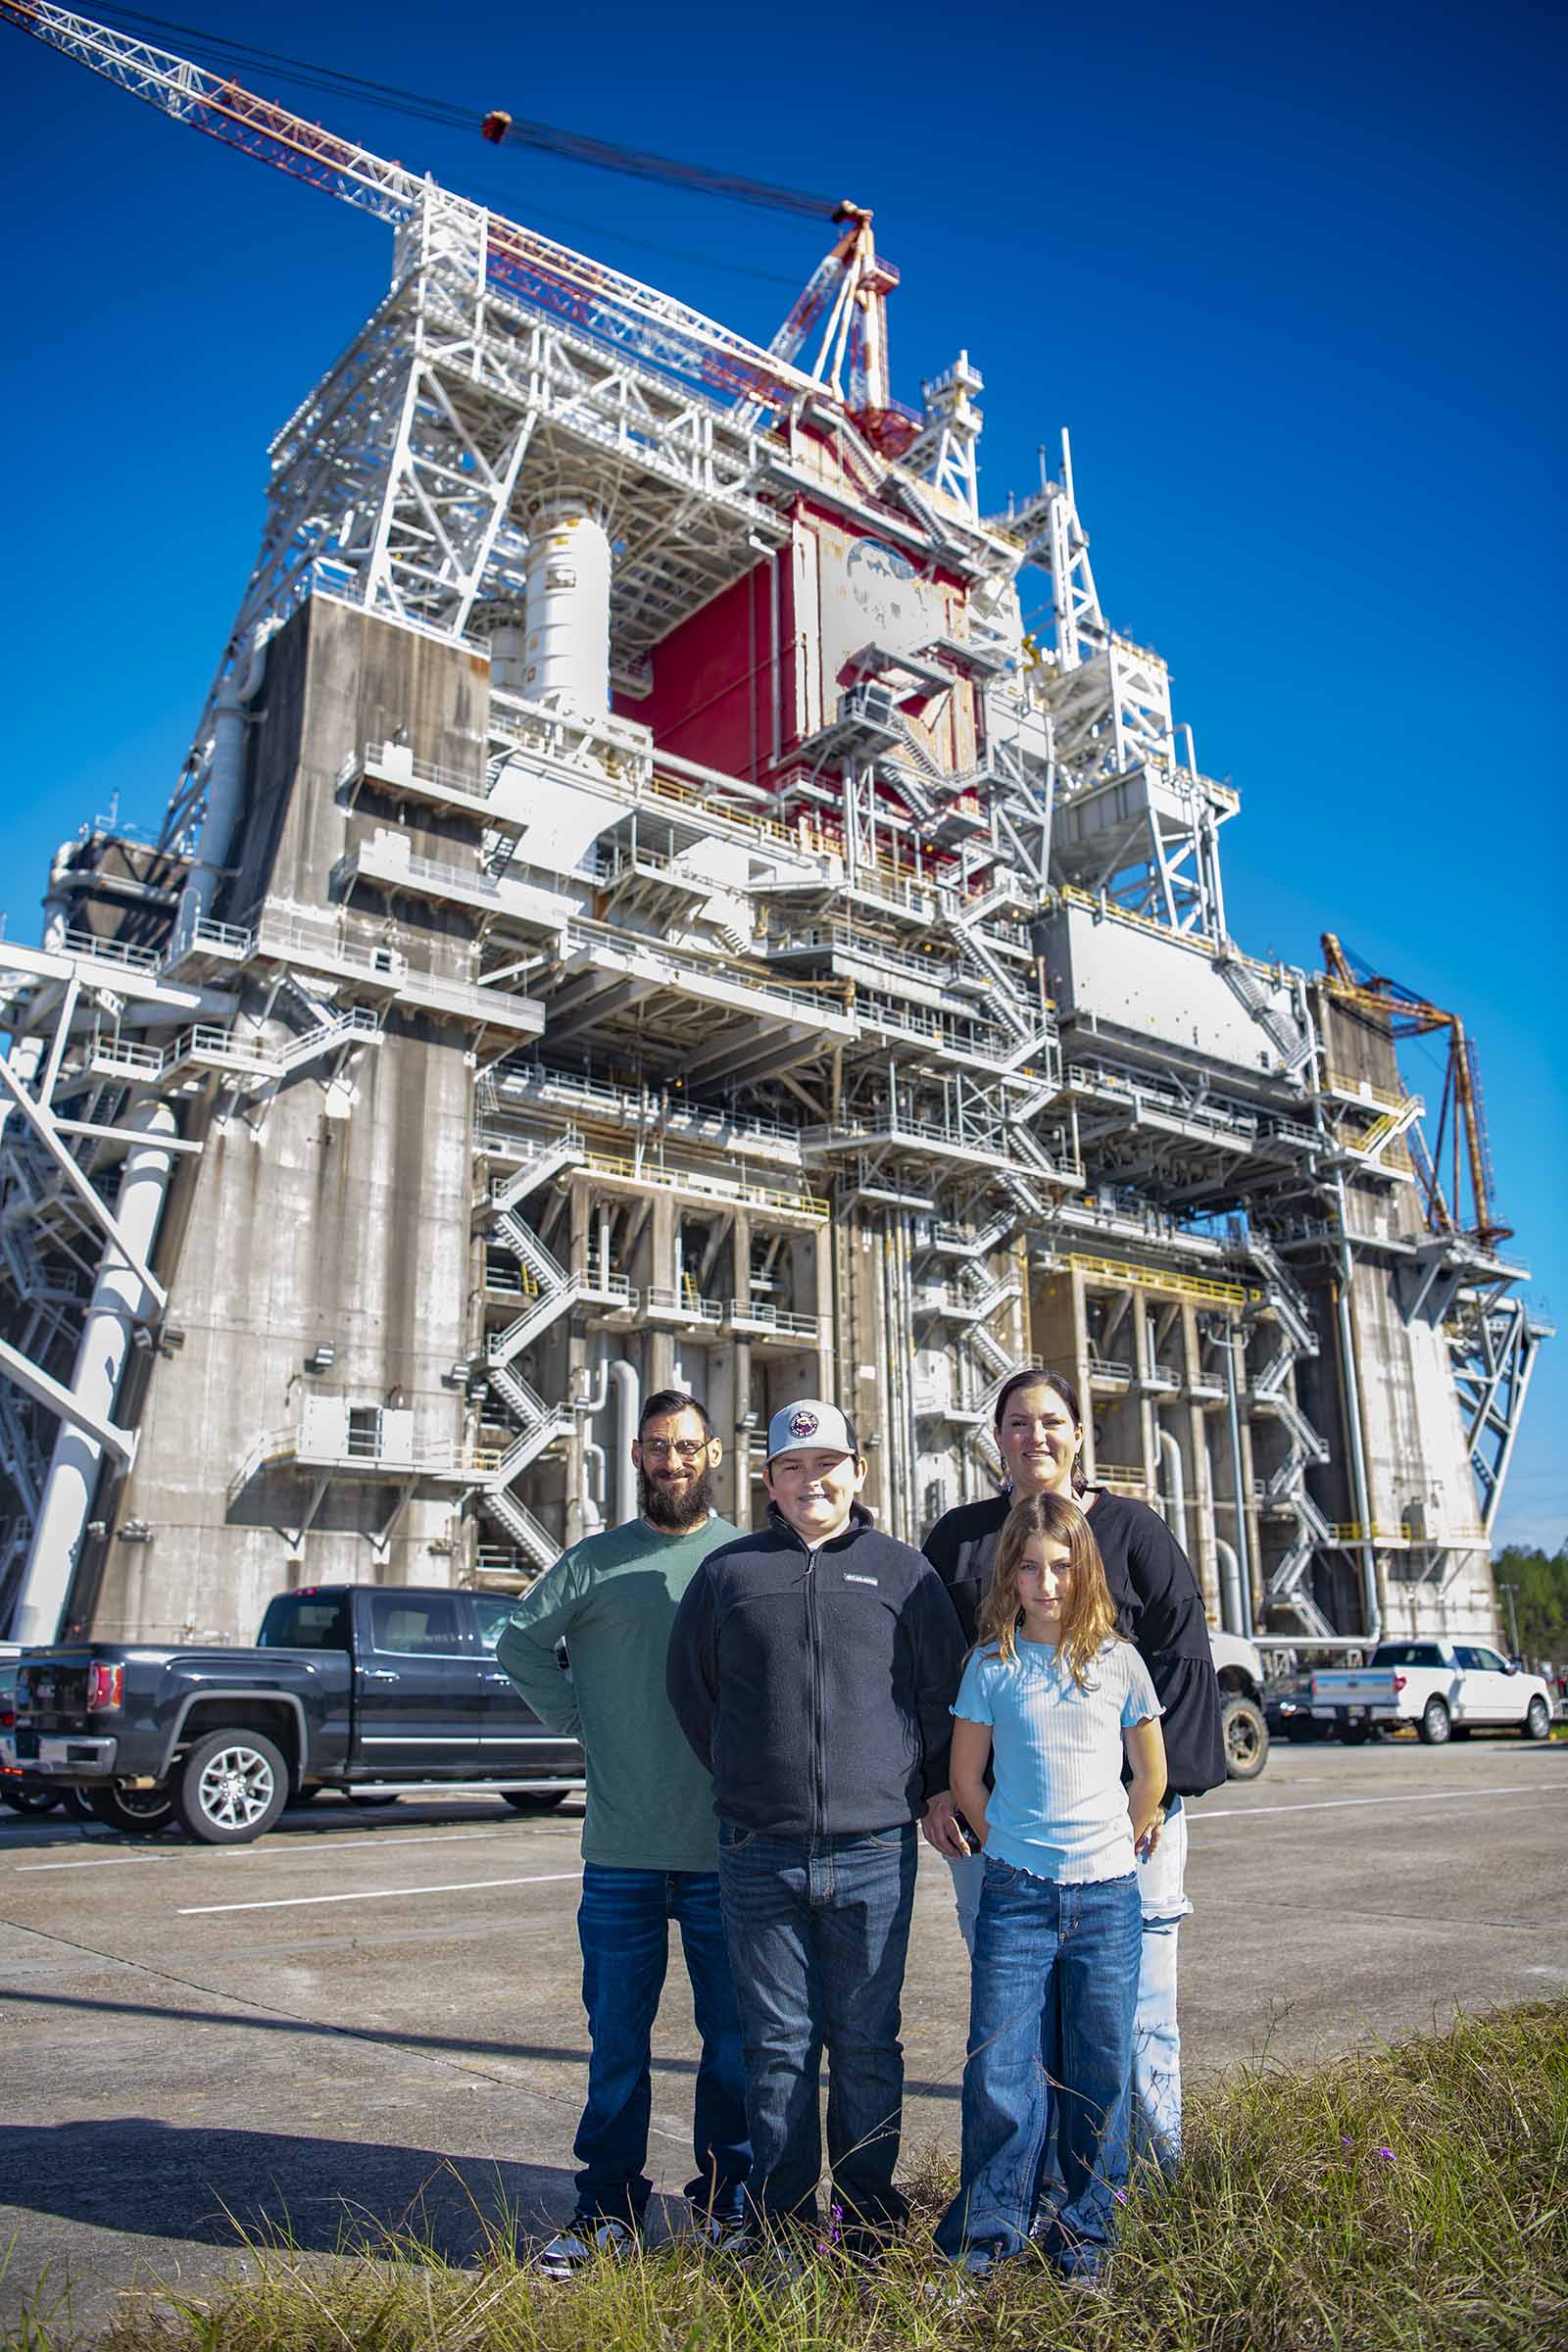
x=1440, y=1686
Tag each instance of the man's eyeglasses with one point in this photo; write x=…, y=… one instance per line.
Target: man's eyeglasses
x=659, y=1449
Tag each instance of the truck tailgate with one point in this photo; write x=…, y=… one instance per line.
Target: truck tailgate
x=1355, y=1687
x=53, y=1693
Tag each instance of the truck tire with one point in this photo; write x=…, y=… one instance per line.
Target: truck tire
x=1245, y=1739
x=1355, y=1730
x=30, y=1797
x=1435, y=1724
x=1537, y=1724
x=535, y=1800
x=135, y=1812
x=233, y=1788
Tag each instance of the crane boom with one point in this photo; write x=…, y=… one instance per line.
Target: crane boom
x=531, y=268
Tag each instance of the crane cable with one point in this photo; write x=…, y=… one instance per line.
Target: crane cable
x=498, y=127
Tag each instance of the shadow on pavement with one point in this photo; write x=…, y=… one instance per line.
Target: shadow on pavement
x=137, y=2176
x=379, y=2037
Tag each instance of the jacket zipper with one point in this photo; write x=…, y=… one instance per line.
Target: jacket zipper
x=813, y=1632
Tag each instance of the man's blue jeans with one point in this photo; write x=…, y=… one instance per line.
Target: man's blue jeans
x=623, y=1926
x=818, y=1931
x=1054, y=1986
x=1156, y=2037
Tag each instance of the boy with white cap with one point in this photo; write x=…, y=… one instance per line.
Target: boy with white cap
x=811, y=1666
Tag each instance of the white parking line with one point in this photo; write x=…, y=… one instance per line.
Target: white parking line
x=378, y=1895
x=100, y=1862
x=366, y=1841
x=1331, y=1804
x=361, y=1842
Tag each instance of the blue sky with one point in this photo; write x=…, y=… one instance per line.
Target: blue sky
x=1288, y=279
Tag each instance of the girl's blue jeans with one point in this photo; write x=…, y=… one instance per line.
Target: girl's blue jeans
x=1054, y=1993
x=1156, y=2125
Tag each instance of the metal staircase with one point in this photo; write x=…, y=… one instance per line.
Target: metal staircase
x=1284, y=1302
x=534, y=1541
x=536, y=1425
x=1295, y=1049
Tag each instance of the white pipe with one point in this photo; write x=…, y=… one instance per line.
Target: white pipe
x=1243, y=1541
x=119, y=1300
x=593, y=1487
x=628, y=1410
x=1230, y=1587
x=1170, y=1454
x=226, y=777
x=57, y=900
x=1370, y=1602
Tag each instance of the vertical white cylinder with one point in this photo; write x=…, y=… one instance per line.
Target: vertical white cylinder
x=117, y=1301
x=57, y=899
x=566, y=655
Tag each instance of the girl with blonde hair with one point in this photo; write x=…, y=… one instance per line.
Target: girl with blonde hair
x=1054, y=1702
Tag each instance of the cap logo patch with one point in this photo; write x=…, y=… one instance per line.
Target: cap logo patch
x=803, y=1424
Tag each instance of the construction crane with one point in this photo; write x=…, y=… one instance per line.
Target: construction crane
x=1461, y=1129
x=850, y=285
x=521, y=263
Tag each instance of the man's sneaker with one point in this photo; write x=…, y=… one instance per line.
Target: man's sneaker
x=735, y=2234
x=573, y=2249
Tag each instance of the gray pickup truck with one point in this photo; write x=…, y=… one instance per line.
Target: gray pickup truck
x=376, y=1690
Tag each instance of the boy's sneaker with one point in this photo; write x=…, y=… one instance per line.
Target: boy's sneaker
x=733, y=2234
x=583, y=2241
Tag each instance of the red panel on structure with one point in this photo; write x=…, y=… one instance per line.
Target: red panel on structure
x=723, y=680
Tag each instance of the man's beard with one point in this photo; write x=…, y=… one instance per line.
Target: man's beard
x=661, y=1508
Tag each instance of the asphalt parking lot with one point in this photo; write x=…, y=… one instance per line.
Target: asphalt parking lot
x=370, y=2020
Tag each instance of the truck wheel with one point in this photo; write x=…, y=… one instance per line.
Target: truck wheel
x=30, y=1797
x=1245, y=1739
x=535, y=1800
x=1537, y=1724
x=135, y=1812
x=1355, y=1731
x=233, y=1788
x=1436, y=1724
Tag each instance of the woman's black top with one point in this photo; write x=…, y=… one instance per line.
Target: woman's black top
x=1158, y=1608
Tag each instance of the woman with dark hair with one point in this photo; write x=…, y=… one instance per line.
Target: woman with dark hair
x=1039, y=1432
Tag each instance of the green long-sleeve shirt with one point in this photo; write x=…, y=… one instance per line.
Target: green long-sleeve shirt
x=613, y=1601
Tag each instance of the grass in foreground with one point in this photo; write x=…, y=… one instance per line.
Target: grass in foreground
x=1410, y=2198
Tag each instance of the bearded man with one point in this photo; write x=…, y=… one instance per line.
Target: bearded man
x=650, y=1842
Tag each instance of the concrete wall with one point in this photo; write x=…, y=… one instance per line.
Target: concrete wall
x=297, y=1227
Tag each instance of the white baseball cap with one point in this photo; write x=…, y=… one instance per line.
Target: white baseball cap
x=809, y=1424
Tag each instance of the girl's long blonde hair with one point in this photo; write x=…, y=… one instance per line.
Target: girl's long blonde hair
x=1088, y=1617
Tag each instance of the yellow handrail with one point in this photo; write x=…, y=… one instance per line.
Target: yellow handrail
x=1180, y=1285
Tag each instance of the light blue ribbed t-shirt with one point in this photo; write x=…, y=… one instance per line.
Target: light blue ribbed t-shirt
x=1058, y=1809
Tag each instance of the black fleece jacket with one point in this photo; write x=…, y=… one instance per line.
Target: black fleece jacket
x=1158, y=1608
x=815, y=1685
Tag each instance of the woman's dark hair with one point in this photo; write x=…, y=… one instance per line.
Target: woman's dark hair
x=672, y=1401
x=1031, y=1377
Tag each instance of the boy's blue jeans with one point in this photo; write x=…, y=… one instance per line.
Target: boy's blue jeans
x=623, y=1926
x=1054, y=1986
x=818, y=1932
